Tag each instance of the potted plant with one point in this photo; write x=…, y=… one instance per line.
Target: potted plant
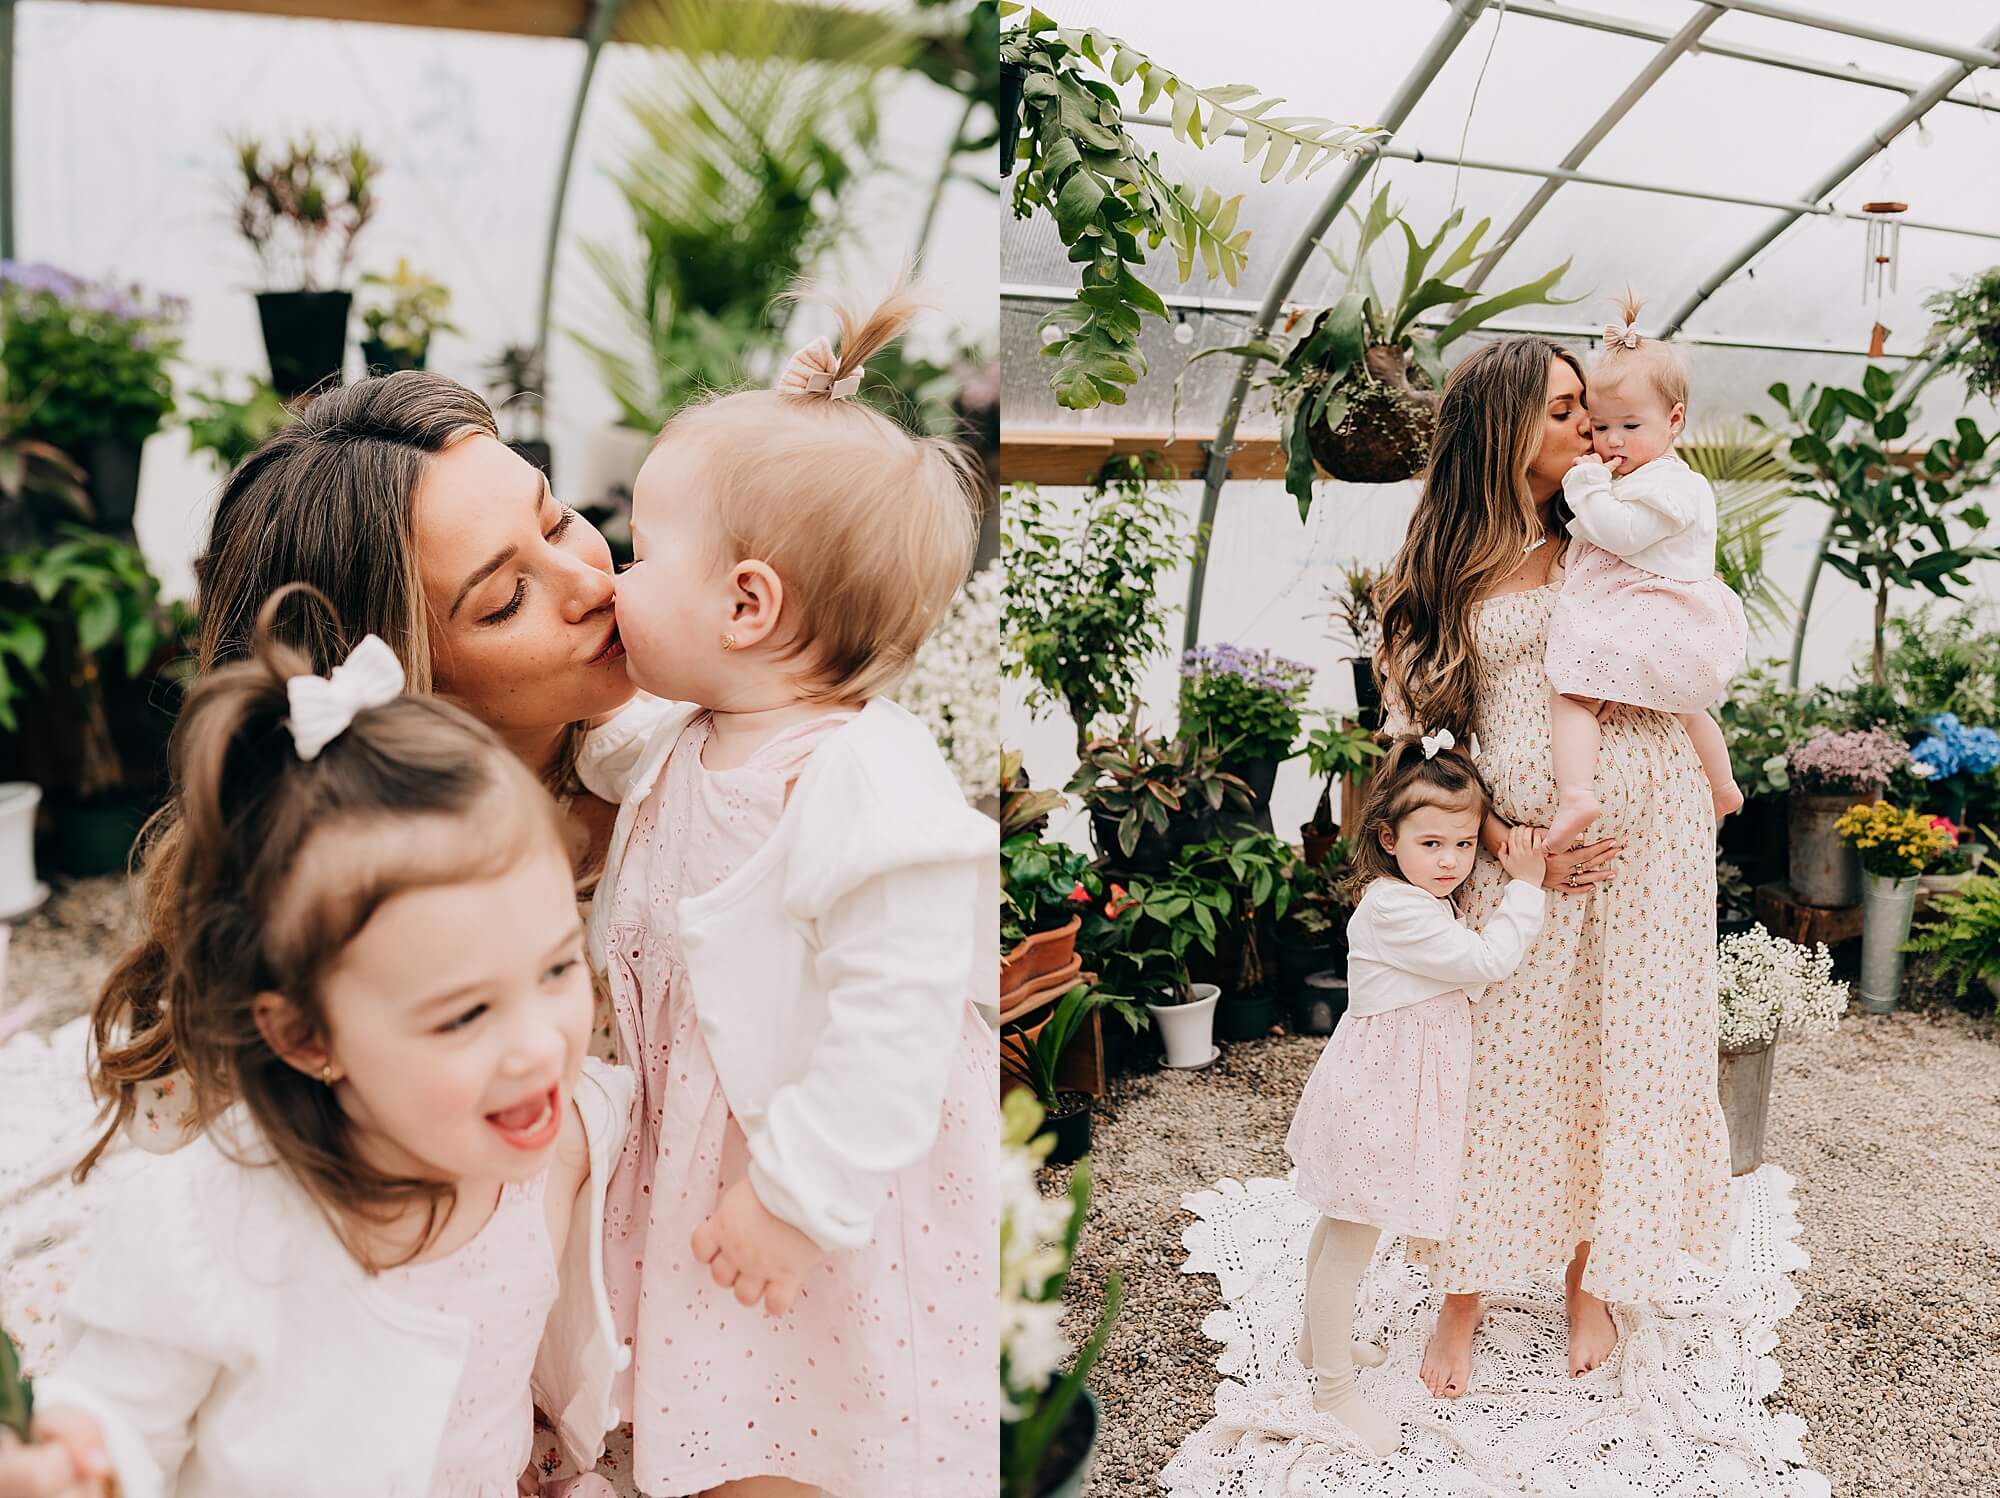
x=1048, y=1419
x=1110, y=199
x=1829, y=772
x=88, y=362
x=1245, y=704
x=1148, y=797
x=1083, y=611
x=403, y=320
x=519, y=385
x=300, y=210
x=1950, y=758
x=1252, y=870
x=1356, y=389
x=1032, y=1055
x=229, y=430
x=1962, y=930
x=1896, y=844
x=1765, y=986
x=1044, y=887
x=1335, y=750
x=1311, y=941
x=1762, y=719
x=1361, y=623
x=1169, y=917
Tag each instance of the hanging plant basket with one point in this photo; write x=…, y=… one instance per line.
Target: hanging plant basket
x=1385, y=434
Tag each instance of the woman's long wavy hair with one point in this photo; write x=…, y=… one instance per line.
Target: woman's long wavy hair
x=329, y=501
x=1471, y=525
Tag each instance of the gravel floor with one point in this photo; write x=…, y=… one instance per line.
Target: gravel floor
x=1890, y=1127
x=61, y=953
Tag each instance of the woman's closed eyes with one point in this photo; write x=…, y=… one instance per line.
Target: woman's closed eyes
x=513, y=605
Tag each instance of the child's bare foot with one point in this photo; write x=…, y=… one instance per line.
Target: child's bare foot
x=1447, y=1368
x=1592, y=1332
x=1728, y=799
x=1575, y=810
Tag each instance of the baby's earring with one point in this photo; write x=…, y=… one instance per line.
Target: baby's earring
x=728, y=641
x=326, y=1074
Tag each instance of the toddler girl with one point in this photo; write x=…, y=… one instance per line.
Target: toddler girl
x=1642, y=618
x=386, y=1231
x=1380, y=1128
x=797, y=915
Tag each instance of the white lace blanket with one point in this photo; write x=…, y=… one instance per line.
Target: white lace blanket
x=1678, y=1411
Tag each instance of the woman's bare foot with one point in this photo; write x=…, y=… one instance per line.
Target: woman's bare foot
x=1575, y=810
x=1592, y=1332
x=1447, y=1369
x=1728, y=799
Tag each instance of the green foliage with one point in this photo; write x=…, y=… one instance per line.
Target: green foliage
x=301, y=208
x=39, y=485
x=1753, y=489
x=1107, y=196
x=409, y=313
x=1082, y=611
x=1890, y=523
x=1962, y=930
x=1947, y=663
x=1042, y=885
x=86, y=360
x=17, y=1395
x=1967, y=329
x=1354, y=601
x=1033, y=1059
x=744, y=153
x=1334, y=749
x=1244, y=703
x=1142, y=780
x=1763, y=717
x=230, y=430
x=1214, y=890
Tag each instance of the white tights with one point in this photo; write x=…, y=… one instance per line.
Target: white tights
x=1335, y=1262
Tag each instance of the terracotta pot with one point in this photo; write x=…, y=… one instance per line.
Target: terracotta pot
x=1024, y=996
x=1317, y=846
x=1041, y=953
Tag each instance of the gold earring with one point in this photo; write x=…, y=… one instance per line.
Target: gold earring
x=729, y=642
x=326, y=1074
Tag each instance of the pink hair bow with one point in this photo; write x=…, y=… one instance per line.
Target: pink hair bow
x=1621, y=335
x=812, y=370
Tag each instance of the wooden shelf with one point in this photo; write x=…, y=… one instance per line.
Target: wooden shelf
x=1074, y=455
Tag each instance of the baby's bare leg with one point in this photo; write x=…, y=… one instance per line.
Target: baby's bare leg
x=763, y=1487
x=1714, y=751
x=1573, y=732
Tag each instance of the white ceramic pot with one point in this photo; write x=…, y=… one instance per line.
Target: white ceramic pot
x=1188, y=1030
x=19, y=890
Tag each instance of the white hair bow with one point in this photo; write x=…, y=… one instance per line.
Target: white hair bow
x=1621, y=335
x=1433, y=742
x=811, y=370
x=323, y=706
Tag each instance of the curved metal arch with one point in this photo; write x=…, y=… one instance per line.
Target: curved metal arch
x=1463, y=14
x=596, y=32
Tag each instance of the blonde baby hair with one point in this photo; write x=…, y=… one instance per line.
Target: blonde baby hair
x=1627, y=355
x=870, y=526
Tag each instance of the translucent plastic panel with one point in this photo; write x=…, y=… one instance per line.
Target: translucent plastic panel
x=1962, y=22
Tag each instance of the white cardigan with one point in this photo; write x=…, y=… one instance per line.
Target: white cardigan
x=229, y=1344
x=1405, y=946
x=1660, y=517
x=831, y=972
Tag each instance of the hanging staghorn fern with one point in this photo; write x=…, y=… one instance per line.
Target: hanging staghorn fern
x=1106, y=195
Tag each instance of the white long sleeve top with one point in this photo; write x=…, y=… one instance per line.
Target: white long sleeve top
x=1660, y=517
x=1405, y=946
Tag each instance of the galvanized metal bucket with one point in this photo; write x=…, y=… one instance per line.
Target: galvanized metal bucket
x=1886, y=907
x=1824, y=871
x=1743, y=1081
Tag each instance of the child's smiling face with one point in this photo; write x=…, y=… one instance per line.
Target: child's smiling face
x=1631, y=424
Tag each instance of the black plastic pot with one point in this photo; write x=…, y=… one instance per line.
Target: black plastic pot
x=95, y=837
x=1150, y=855
x=537, y=452
x=1366, y=693
x=1246, y=1016
x=1012, y=76
x=1070, y=1129
x=305, y=338
x=1066, y=1465
x=1320, y=1002
x=111, y=473
x=378, y=358
x=1298, y=959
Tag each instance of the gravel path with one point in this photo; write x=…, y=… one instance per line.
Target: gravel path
x=1891, y=1127
x=61, y=954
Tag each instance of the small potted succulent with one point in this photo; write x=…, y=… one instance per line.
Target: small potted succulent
x=300, y=209
x=1245, y=704
x=1032, y=1056
x=1829, y=772
x=1962, y=931
x=88, y=364
x=402, y=319
x=1334, y=750
x=1148, y=797
x=1048, y=1418
x=1895, y=844
x=1765, y=986
x=519, y=385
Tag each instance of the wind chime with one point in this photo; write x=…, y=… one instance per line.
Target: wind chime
x=1878, y=268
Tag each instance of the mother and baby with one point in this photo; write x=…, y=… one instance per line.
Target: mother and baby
x=405, y=1211
x=1526, y=1073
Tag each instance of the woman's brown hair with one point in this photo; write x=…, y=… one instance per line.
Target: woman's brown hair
x=260, y=904
x=329, y=501
x=1406, y=780
x=1474, y=519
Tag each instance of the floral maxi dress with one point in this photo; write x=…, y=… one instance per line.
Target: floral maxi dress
x=1593, y=1112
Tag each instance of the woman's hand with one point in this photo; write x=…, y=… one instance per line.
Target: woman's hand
x=1522, y=856
x=750, y=1249
x=1575, y=870
x=66, y=1460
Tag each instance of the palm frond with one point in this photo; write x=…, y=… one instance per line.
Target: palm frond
x=1753, y=490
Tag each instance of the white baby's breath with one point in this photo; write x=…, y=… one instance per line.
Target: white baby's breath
x=1032, y=1268
x=1766, y=984
x=954, y=683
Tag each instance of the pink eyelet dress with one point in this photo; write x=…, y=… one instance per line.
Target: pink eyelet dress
x=879, y=1382
x=503, y=1284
